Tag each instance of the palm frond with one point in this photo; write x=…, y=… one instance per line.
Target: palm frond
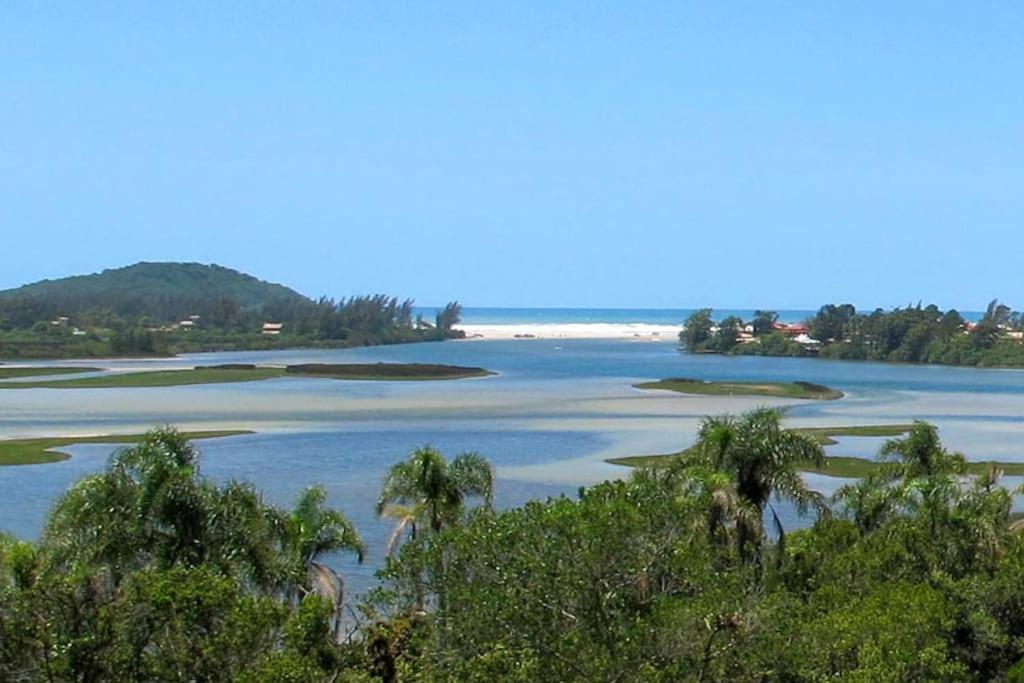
x=473, y=476
x=406, y=522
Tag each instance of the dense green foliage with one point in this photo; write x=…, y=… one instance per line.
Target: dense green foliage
x=138, y=310
x=148, y=571
x=911, y=576
x=842, y=466
x=162, y=291
x=428, y=493
x=914, y=334
x=696, y=334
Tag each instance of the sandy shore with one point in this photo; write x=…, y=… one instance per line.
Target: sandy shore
x=638, y=331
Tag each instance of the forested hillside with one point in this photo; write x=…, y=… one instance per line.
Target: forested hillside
x=164, y=292
x=161, y=308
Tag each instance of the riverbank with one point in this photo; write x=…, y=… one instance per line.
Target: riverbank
x=38, y=371
x=47, y=450
x=237, y=372
x=836, y=466
x=799, y=390
x=842, y=466
x=87, y=349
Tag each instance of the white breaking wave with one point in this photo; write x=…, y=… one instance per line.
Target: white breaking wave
x=638, y=331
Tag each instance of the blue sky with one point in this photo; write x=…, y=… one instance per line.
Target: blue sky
x=535, y=154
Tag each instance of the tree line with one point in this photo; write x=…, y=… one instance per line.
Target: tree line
x=27, y=326
x=150, y=571
x=914, y=334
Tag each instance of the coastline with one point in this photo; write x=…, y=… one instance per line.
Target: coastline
x=603, y=330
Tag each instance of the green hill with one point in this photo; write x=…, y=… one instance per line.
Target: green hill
x=160, y=308
x=162, y=291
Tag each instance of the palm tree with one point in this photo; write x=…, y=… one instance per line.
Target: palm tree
x=405, y=517
x=967, y=525
x=981, y=515
x=151, y=506
x=990, y=328
x=871, y=502
x=147, y=505
x=929, y=475
x=931, y=482
x=94, y=524
x=762, y=460
x=921, y=454
x=428, y=490
x=313, y=530
x=997, y=313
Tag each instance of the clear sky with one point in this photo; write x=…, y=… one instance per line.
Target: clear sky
x=515, y=153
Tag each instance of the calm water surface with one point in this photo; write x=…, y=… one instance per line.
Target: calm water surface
x=547, y=421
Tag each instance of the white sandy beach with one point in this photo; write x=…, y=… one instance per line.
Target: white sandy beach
x=638, y=331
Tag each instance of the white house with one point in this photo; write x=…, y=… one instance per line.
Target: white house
x=806, y=339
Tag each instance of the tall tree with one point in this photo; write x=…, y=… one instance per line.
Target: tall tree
x=870, y=501
x=727, y=335
x=432, y=492
x=697, y=330
x=762, y=458
x=829, y=322
x=763, y=321
x=991, y=326
x=152, y=507
x=313, y=530
x=426, y=491
x=448, y=317
x=921, y=454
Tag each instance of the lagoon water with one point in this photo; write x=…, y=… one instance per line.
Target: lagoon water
x=547, y=421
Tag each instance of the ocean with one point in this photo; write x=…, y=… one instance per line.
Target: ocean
x=569, y=316
x=647, y=316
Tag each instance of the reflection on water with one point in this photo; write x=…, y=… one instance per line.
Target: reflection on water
x=548, y=420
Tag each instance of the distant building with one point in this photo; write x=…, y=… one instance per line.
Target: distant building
x=790, y=330
x=62, y=321
x=806, y=340
x=272, y=328
x=186, y=325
